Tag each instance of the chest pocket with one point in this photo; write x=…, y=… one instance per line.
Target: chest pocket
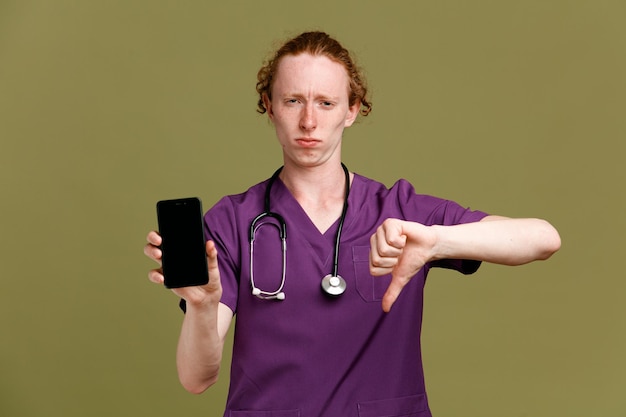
x=282, y=413
x=369, y=287
x=412, y=406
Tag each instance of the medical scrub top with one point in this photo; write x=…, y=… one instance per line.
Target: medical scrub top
x=312, y=355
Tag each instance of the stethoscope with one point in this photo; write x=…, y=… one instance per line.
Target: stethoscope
x=332, y=284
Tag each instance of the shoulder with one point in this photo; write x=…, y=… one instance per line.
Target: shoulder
x=249, y=200
x=229, y=218
x=401, y=200
x=402, y=191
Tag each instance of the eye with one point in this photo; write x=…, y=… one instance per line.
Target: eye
x=327, y=104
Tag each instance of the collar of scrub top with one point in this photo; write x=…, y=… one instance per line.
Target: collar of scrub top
x=332, y=284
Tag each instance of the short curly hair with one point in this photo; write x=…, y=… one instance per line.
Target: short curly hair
x=315, y=43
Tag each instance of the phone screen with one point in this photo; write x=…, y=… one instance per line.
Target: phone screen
x=183, y=245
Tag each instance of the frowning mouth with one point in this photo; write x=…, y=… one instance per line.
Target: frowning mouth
x=307, y=142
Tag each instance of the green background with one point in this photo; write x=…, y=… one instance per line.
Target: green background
x=513, y=107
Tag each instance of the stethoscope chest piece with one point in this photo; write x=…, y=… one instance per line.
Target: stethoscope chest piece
x=333, y=285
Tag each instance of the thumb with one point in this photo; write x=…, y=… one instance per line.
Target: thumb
x=212, y=264
x=211, y=254
x=398, y=282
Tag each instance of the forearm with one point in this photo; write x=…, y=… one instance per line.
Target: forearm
x=498, y=240
x=200, y=347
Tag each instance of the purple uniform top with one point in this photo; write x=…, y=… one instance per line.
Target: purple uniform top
x=311, y=355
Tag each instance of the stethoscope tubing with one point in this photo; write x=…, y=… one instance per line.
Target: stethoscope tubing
x=255, y=290
x=332, y=284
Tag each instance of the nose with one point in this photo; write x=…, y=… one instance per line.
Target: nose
x=308, y=120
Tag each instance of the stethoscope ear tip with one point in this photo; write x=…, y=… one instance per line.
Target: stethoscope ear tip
x=268, y=296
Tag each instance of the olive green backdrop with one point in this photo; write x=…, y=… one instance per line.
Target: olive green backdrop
x=516, y=108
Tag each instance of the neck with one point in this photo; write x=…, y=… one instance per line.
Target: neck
x=319, y=183
x=320, y=192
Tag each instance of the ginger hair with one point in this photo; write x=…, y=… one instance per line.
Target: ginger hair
x=316, y=44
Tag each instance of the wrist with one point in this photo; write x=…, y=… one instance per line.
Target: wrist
x=199, y=300
x=437, y=246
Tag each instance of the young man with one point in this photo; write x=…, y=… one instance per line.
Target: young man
x=311, y=338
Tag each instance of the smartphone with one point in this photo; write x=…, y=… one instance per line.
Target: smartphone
x=183, y=247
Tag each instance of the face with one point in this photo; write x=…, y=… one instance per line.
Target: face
x=310, y=109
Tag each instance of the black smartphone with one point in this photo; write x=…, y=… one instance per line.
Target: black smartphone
x=183, y=247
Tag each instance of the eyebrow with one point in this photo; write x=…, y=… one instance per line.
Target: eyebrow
x=322, y=97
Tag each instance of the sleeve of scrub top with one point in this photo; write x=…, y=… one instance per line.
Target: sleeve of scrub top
x=441, y=212
x=220, y=227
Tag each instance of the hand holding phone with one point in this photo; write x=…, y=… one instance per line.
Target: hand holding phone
x=183, y=243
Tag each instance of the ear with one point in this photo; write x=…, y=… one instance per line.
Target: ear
x=268, y=106
x=353, y=112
